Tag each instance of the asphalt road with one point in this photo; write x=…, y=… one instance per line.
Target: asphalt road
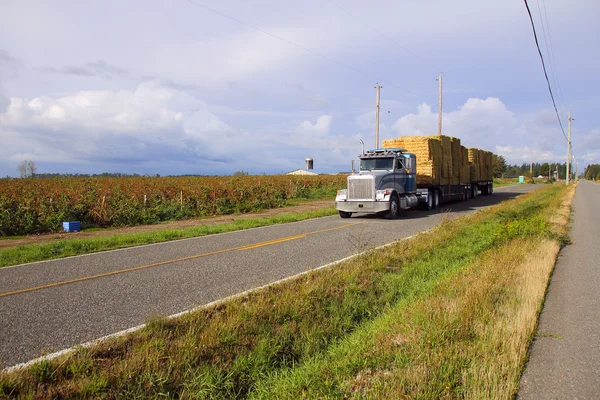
x=564, y=359
x=52, y=305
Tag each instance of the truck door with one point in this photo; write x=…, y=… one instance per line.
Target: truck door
x=399, y=175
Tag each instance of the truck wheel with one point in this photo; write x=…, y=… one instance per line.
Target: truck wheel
x=436, y=199
x=465, y=195
x=475, y=190
x=394, y=207
x=491, y=188
x=429, y=204
x=345, y=214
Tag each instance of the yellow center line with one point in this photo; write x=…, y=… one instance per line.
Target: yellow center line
x=121, y=271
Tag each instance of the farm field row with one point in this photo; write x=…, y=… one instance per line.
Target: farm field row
x=41, y=205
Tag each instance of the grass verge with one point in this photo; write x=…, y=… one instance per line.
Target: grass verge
x=73, y=247
x=430, y=317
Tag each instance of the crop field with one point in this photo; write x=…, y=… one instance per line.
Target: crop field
x=41, y=205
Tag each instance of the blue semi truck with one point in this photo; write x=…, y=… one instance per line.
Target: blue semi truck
x=386, y=183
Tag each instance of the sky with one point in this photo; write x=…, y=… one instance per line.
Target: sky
x=211, y=87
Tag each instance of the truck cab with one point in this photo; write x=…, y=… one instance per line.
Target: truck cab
x=385, y=183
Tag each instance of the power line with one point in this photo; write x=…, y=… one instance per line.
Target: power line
x=291, y=43
x=544, y=67
x=552, y=58
x=382, y=34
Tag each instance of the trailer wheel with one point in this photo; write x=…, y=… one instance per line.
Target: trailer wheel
x=491, y=188
x=465, y=194
x=474, y=191
x=345, y=214
x=484, y=190
x=428, y=205
x=436, y=199
x=394, y=207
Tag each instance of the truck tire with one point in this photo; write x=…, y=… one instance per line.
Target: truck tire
x=484, y=190
x=491, y=188
x=474, y=191
x=436, y=199
x=394, y=207
x=465, y=195
x=345, y=214
x=428, y=205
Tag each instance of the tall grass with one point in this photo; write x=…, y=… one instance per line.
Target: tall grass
x=418, y=319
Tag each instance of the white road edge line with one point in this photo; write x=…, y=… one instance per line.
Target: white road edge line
x=91, y=343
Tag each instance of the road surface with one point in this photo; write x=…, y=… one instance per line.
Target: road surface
x=52, y=305
x=564, y=359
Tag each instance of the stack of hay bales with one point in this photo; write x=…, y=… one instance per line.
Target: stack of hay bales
x=441, y=160
x=428, y=150
x=456, y=161
x=481, y=165
x=465, y=170
x=474, y=169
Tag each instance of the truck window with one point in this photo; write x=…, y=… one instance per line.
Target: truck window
x=370, y=164
x=399, y=164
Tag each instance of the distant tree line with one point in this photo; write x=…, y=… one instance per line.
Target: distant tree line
x=504, y=170
x=592, y=172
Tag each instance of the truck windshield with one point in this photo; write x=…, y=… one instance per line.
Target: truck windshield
x=370, y=164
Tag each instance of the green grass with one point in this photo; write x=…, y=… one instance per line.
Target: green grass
x=343, y=332
x=72, y=247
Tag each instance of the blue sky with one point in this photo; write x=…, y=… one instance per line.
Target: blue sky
x=170, y=87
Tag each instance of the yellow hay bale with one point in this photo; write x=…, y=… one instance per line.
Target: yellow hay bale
x=474, y=172
x=441, y=160
x=465, y=176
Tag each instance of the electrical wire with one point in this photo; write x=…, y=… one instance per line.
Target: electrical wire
x=537, y=43
x=292, y=43
x=552, y=58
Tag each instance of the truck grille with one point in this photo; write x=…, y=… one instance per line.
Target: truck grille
x=361, y=188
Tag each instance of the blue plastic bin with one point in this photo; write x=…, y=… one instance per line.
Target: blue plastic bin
x=72, y=226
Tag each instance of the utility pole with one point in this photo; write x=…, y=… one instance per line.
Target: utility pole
x=377, y=117
x=531, y=162
x=440, y=106
x=569, y=147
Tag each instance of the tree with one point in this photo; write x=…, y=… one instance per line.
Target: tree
x=591, y=171
x=545, y=169
x=32, y=168
x=23, y=169
x=499, y=165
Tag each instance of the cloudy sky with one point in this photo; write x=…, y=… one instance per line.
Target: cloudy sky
x=212, y=87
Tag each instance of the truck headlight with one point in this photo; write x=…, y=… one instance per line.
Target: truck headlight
x=341, y=195
x=381, y=194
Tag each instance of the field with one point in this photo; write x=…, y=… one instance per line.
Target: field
x=41, y=205
x=447, y=314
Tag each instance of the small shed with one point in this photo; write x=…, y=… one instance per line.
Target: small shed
x=301, y=172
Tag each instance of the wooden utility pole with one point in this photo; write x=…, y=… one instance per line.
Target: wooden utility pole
x=440, y=106
x=569, y=147
x=531, y=162
x=377, y=117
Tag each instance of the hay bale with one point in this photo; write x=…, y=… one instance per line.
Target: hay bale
x=428, y=150
x=474, y=172
x=441, y=160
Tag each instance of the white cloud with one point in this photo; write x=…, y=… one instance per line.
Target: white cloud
x=320, y=128
x=489, y=124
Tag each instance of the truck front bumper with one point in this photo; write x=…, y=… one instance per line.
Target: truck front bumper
x=362, y=206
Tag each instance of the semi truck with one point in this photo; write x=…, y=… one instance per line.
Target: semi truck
x=387, y=182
